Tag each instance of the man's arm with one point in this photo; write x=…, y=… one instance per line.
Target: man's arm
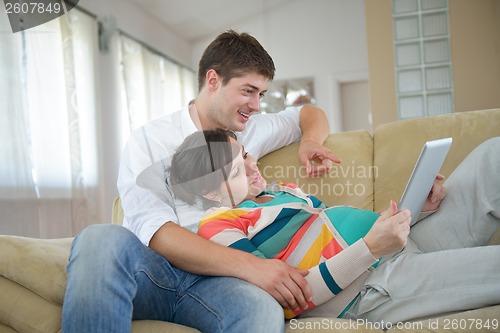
x=195, y=254
x=315, y=129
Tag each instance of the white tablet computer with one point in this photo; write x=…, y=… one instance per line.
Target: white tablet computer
x=422, y=178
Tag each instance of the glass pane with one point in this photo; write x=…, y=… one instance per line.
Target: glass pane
x=406, y=28
x=411, y=107
x=436, y=51
x=433, y=4
x=409, y=81
x=408, y=54
x=438, y=78
x=404, y=6
x=439, y=104
x=435, y=24
x=423, y=57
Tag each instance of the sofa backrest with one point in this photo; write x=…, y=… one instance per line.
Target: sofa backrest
x=398, y=144
x=349, y=183
x=117, y=212
x=375, y=169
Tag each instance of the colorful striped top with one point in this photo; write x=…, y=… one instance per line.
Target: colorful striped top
x=299, y=230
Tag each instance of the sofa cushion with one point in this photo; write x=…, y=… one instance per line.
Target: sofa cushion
x=37, y=264
x=27, y=312
x=397, y=143
x=6, y=329
x=349, y=183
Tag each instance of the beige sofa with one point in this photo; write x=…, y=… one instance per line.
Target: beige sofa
x=374, y=170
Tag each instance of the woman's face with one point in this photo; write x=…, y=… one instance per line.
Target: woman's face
x=244, y=181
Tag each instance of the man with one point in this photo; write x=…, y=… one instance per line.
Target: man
x=164, y=271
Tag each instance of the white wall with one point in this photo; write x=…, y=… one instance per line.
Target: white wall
x=324, y=39
x=141, y=26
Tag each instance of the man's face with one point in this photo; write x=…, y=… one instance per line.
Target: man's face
x=236, y=101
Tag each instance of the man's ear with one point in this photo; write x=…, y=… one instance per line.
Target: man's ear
x=212, y=79
x=213, y=196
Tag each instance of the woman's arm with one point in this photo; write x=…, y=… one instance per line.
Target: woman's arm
x=230, y=227
x=331, y=277
x=387, y=235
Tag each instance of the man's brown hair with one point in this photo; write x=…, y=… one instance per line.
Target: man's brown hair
x=234, y=54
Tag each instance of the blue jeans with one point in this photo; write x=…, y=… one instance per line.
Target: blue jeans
x=113, y=279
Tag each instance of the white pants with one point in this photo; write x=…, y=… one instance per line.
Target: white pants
x=445, y=266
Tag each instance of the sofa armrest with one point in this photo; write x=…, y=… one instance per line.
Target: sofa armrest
x=38, y=265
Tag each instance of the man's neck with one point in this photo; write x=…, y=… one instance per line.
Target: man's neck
x=195, y=116
x=199, y=115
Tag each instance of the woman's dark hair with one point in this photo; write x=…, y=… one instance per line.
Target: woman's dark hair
x=234, y=54
x=194, y=162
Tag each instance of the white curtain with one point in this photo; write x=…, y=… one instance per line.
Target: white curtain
x=153, y=85
x=49, y=156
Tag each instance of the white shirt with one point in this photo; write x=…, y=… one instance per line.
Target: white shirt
x=147, y=199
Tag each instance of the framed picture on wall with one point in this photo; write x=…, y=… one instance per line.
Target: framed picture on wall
x=284, y=93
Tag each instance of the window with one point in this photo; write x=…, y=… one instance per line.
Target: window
x=152, y=84
x=423, y=60
x=48, y=138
